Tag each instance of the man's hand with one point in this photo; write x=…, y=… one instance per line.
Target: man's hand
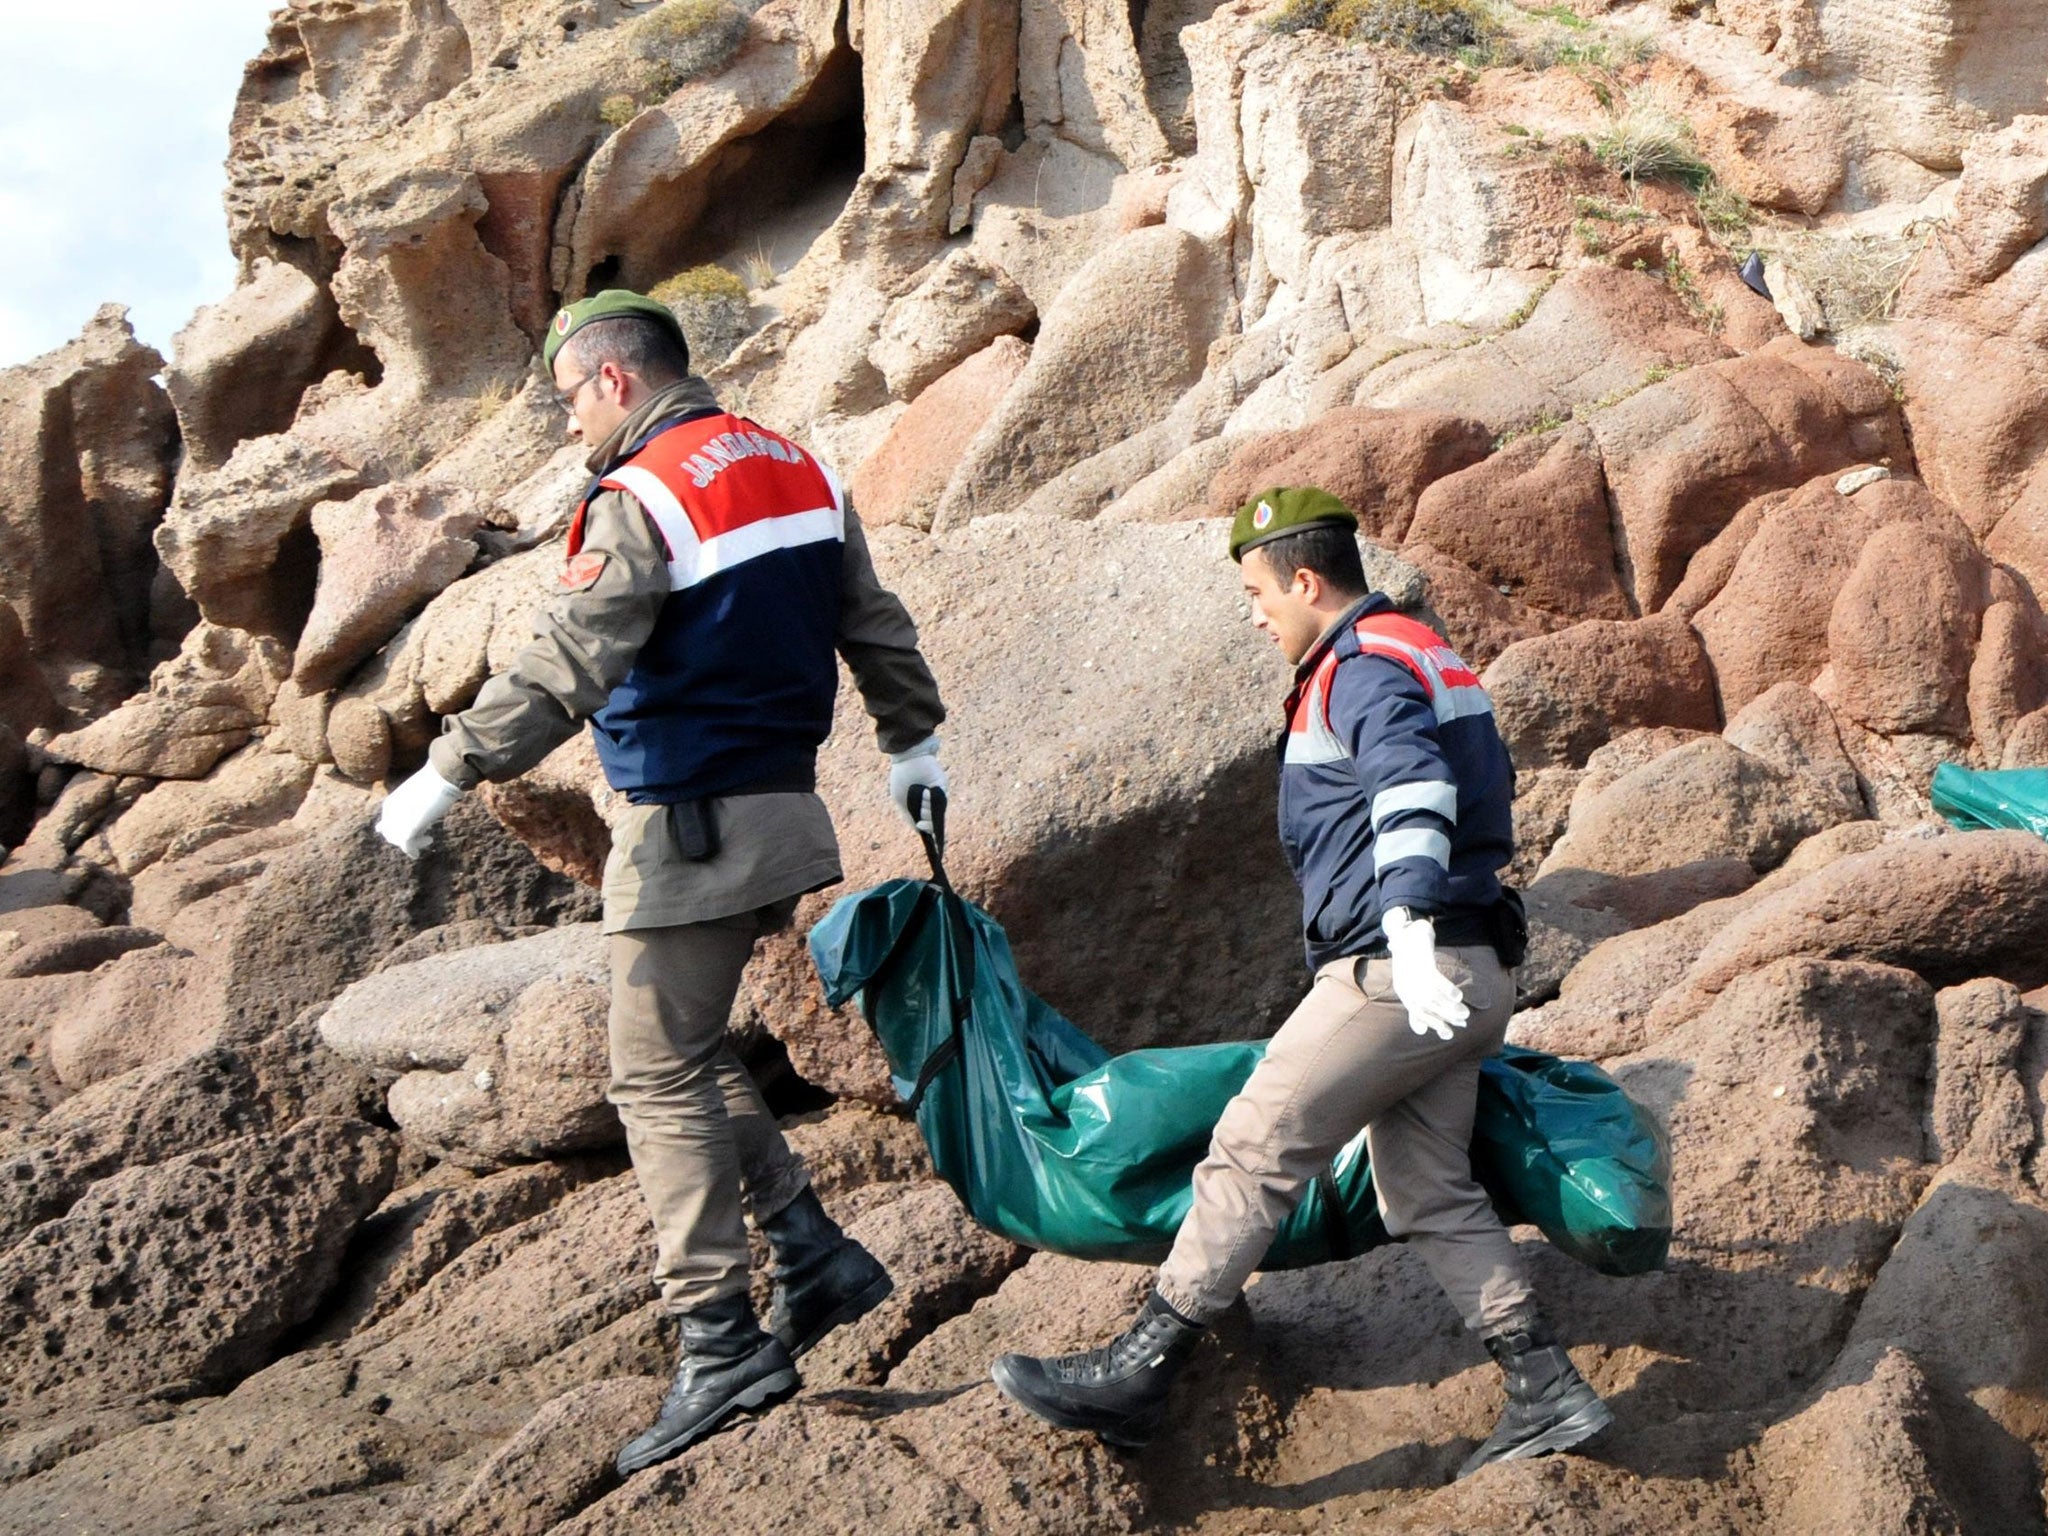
x=913, y=769
x=407, y=817
x=1432, y=999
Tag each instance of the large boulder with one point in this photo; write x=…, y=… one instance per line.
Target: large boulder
x=1533, y=521
x=962, y=305
x=647, y=185
x=1101, y=368
x=1953, y=907
x=904, y=478
x=239, y=367
x=1684, y=455
x=1795, y=1109
x=150, y=1005
x=211, y=1257
x=238, y=540
x=326, y=910
x=1376, y=462
x=1707, y=800
x=1593, y=337
x=87, y=445
x=200, y=706
x=1899, y=652
x=1768, y=621
x=1558, y=697
x=255, y=788
x=382, y=555
x=502, y=1048
x=1301, y=93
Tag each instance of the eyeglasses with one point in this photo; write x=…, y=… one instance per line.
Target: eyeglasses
x=567, y=397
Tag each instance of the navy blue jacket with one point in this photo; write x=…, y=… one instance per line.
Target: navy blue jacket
x=1395, y=787
x=734, y=689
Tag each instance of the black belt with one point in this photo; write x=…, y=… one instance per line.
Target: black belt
x=696, y=830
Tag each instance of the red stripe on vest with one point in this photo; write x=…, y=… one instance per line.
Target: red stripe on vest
x=727, y=472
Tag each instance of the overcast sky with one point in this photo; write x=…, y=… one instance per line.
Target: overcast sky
x=113, y=129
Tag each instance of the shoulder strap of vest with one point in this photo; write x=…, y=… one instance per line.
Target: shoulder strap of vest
x=638, y=446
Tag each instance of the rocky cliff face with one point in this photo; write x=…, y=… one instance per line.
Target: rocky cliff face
x=313, y=1216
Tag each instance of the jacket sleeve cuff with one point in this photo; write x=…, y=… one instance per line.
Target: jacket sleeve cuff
x=446, y=756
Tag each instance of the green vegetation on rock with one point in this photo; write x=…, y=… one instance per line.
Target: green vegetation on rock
x=713, y=307
x=686, y=39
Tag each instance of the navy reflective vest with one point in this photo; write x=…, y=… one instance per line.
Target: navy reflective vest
x=1395, y=787
x=734, y=689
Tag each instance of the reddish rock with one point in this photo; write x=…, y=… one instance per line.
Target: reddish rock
x=1792, y=730
x=1955, y=907
x=2009, y=675
x=1378, y=463
x=1685, y=455
x=210, y=1257
x=1706, y=801
x=1477, y=618
x=1978, y=407
x=1560, y=696
x=382, y=555
x=2027, y=745
x=1533, y=521
x=1903, y=630
x=902, y=480
x=555, y=809
x=2021, y=538
x=1768, y=623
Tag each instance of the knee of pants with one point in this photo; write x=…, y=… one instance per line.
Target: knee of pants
x=668, y=1082
x=1439, y=1212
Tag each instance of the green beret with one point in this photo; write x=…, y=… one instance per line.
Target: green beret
x=608, y=305
x=1286, y=509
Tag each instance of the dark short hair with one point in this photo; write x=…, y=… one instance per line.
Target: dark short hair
x=1330, y=551
x=632, y=345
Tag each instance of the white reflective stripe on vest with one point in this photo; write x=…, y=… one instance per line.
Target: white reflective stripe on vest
x=693, y=560
x=1315, y=742
x=1432, y=795
x=1410, y=843
x=677, y=530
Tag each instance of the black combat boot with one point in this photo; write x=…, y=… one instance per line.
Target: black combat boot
x=822, y=1277
x=728, y=1367
x=1118, y=1391
x=1551, y=1407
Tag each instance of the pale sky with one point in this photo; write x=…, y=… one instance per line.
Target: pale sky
x=113, y=130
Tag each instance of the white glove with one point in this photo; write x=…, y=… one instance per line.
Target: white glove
x=1432, y=999
x=406, y=818
x=916, y=768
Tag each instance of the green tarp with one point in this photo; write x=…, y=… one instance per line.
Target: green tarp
x=1050, y=1141
x=1980, y=802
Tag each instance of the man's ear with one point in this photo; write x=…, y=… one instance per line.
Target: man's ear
x=1307, y=584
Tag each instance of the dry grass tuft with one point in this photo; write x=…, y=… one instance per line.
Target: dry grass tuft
x=1442, y=27
x=1856, y=280
x=1646, y=140
x=714, y=308
x=686, y=39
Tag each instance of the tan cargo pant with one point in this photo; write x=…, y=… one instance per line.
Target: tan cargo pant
x=702, y=1141
x=1346, y=1058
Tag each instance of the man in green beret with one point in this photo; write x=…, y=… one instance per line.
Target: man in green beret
x=1396, y=816
x=714, y=575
